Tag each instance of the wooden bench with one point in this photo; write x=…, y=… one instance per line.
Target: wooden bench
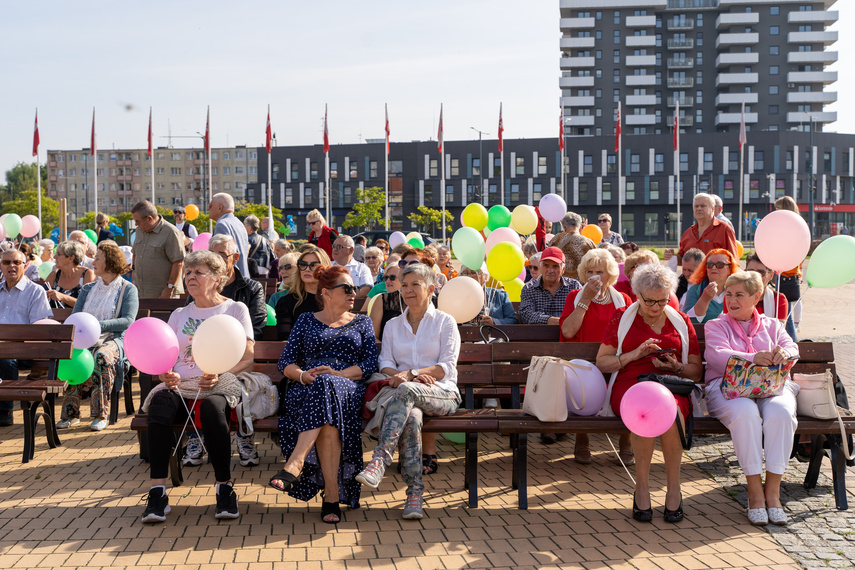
x=45, y=344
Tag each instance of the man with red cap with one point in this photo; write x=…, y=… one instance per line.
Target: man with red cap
x=542, y=299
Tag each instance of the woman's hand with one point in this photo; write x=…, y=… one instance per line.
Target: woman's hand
x=710, y=291
x=52, y=294
x=671, y=364
x=591, y=289
x=398, y=379
x=644, y=350
x=318, y=370
x=171, y=379
x=771, y=357
x=485, y=320
x=425, y=379
x=208, y=381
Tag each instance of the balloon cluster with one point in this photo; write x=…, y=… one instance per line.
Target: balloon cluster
x=13, y=225
x=80, y=366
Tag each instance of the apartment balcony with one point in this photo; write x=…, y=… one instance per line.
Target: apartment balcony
x=581, y=121
x=640, y=80
x=578, y=101
x=728, y=59
x=576, y=43
x=824, y=77
x=724, y=99
x=737, y=19
x=686, y=121
x=687, y=43
x=812, y=97
x=683, y=101
x=825, y=38
x=818, y=17
x=735, y=118
x=636, y=120
x=825, y=117
x=573, y=82
x=680, y=83
x=723, y=79
x=824, y=57
x=640, y=60
x=681, y=63
x=640, y=100
x=737, y=39
x=680, y=24
x=578, y=23
x=640, y=21
x=640, y=41
x=576, y=62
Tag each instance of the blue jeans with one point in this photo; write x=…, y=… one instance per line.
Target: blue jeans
x=790, y=327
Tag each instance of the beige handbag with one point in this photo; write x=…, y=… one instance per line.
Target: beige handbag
x=816, y=400
x=546, y=389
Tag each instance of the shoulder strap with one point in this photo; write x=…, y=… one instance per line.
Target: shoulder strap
x=257, y=243
x=121, y=296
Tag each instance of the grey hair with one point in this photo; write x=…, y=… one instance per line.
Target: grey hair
x=284, y=244
x=651, y=276
x=231, y=246
x=210, y=260
x=373, y=250
x=422, y=271
x=617, y=252
x=145, y=209
x=348, y=241
x=72, y=249
x=718, y=201
x=571, y=219
x=226, y=200
x=535, y=258
x=694, y=254
x=443, y=249
x=704, y=196
x=253, y=222
x=46, y=244
x=530, y=245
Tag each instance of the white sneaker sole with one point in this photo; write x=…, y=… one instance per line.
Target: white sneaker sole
x=415, y=515
x=362, y=479
x=153, y=518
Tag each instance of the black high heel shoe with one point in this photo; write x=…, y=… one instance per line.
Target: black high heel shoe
x=283, y=481
x=674, y=516
x=640, y=515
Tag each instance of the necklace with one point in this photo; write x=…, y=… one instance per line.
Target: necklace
x=604, y=299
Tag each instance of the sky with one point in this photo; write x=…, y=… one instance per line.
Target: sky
x=179, y=57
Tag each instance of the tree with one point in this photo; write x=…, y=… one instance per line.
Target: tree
x=368, y=210
x=259, y=211
x=26, y=203
x=20, y=179
x=430, y=218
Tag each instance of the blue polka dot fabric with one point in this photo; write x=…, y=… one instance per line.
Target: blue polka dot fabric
x=329, y=399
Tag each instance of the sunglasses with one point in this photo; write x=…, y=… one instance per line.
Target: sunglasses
x=286, y=266
x=347, y=288
x=302, y=265
x=337, y=246
x=390, y=277
x=603, y=221
x=403, y=263
x=12, y=262
x=651, y=302
x=717, y=265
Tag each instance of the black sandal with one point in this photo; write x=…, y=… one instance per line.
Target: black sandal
x=429, y=464
x=283, y=481
x=330, y=510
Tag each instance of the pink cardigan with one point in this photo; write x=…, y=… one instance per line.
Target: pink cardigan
x=723, y=341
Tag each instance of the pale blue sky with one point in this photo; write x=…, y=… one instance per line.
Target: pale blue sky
x=238, y=56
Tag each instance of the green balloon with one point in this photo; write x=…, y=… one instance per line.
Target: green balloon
x=468, y=246
x=12, y=224
x=92, y=235
x=498, y=217
x=79, y=368
x=271, y=316
x=416, y=242
x=832, y=263
x=45, y=269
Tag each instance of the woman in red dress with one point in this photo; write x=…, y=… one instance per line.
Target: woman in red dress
x=630, y=345
x=321, y=235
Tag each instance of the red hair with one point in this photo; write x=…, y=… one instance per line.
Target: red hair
x=701, y=272
x=327, y=277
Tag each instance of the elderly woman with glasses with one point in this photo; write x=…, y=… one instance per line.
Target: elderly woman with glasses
x=651, y=337
x=705, y=296
x=321, y=235
x=68, y=276
x=420, y=357
x=604, y=222
x=374, y=260
x=301, y=297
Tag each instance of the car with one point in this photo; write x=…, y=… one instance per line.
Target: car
x=373, y=235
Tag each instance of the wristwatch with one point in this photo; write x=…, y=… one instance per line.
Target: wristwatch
x=414, y=372
x=170, y=286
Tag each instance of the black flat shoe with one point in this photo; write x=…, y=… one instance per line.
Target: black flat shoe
x=283, y=481
x=645, y=515
x=674, y=516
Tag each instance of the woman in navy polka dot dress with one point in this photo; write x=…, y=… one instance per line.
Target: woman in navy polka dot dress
x=328, y=355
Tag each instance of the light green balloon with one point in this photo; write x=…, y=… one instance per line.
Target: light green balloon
x=12, y=223
x=45, y=269
x=468, y=246
x=78, y=369
x=832, y=263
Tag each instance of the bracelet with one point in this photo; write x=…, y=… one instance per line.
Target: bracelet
x=300, y=378
x=582, y=306
x=680, y=371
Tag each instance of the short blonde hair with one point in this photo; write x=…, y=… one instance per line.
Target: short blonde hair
x=315, y=215
x=597, y=258
x=750, y=280
x=640, y=257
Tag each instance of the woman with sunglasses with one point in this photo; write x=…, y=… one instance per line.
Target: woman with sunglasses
x=389, y=305
x=374, y=260
x=705, y=296
x=604, y=222
x=328, y=355
x=301, y=297
x=286, y=266
x=632, y=345
x=320, y=235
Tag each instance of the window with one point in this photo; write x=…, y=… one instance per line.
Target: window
x=353, y=170
x=175, y=156
x=616, y=75
x=175, y=172
x=774, y=70
x=708, y=162
x=654, y=189
x=773, y=109
x=515, y=192
x=628, y=223
x=773, y=90
x=617, y=36
x=583, y=192
x=226, y=155
x=520, y=170
x=227, y=170
x=611, y=164
x=607, y=191
x=616, y=19
x=658, y=163
x=733, y=161
x=455, y=167
x=372, y=169
x=588, y=164
x=238, y=169
x=537, y=191
x=238, y=154
x=616, y=57
x=333, y=170
x=759, y=164
x=774, y=30
x=774, y=11
x=684, y=162
x=313, y=170
x=295, y=171
x=651, y=225
x=774, y=50
x=634, y=163
x=628, y=190
x=541, y=165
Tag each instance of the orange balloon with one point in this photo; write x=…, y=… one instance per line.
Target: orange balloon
x=740, y=249
x=192, y=212
x=593, y=233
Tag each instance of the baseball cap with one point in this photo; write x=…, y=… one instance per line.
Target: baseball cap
x=552, y=254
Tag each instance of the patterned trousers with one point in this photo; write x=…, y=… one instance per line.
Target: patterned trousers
x=101, y=383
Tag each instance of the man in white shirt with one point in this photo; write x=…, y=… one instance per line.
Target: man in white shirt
x=342, y=252
x=268, y=231
x=189, y=230
x=719, y=206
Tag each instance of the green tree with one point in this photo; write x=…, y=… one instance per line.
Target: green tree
x=430, y=219
x=22, y=178
x=368, y=210
x=244, y=209
x=27, y=203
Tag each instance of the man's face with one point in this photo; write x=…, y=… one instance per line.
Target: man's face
x=341, y=252
x=179, y=217
x=12, y=264
x=551, y=272
x=221, y=249
x=215, y=210
x=689, y=267
x=702, y=210
x=146, y=224
x=265, y=223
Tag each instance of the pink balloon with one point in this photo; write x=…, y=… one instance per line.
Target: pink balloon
x=47, y=322
x=782, y=240
x=502, y=234
x=648, y=409
x=151, y=346
x=2, y=231
x=521, y=276
x=621, y=274
x=462, y=223
x=200, y=243
x=549, y=237
x=552, y=207
x=30, y=226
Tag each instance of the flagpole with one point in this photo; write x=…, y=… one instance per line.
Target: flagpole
x=271, y=225
x=677, y=163
x=501, y=157
x=38, y=171
x=208, y=155
x=95, y=161
x=151, y=156
x=442, y=180
x=386, y=184
x=327, y=166
x=620, y=174
x=741, y=167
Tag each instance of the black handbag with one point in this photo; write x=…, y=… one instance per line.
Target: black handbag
x=679, y=387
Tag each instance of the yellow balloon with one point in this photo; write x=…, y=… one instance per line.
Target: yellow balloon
x=191, y=212
x=524, y=219
x=514, y=288
x=505, y=261
x=412, y=235
x=740, y=249
x=593, y=233
x=475, y=216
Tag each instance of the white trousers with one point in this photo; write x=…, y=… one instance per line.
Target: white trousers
x=758, y=424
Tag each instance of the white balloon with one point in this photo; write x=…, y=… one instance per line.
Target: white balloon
x=461, y=298
x=218, y=344
x=87, y=329
x=396, y=239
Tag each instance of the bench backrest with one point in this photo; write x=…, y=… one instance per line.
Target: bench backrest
x=49, y=343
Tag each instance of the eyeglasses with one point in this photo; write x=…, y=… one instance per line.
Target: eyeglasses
x=717, y=264
x=315, y=222
x=403, y=263
x=603, y=221
x=372, y=257
x=302, y=265
x=286, y=267
x=347, y=288
x=339, y=246
x=12, y=262
x=389, y=277
x=651, y=302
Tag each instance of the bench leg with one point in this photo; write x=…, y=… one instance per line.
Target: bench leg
x=49, y=406
x=30, y=419
x=515, y=472
x=50, y=426
x=522, y=470
x=128, y=389
x=114, y=407
x=472, y=468
x=817, y=445
x=838, y=474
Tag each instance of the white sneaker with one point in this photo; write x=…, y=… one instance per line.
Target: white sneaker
x=372, y=474
x=491, y=403
x=413, y=507
x=67, y=423
x=246, y=450
x=195, y=452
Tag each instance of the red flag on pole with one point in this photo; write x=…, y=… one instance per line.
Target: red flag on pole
x=561, y=130
x=149, y=131
x=208, y=132
x=387, y=129
x=92, y=142
x=268, y=133
x=501, y=130
x=439, y=136
x=743, y=138
x=676, y=127
x=617, y=129
x=36, y=135
x=326, y=132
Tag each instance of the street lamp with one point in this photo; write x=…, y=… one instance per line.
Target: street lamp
x=481, y=160
x=812, y=181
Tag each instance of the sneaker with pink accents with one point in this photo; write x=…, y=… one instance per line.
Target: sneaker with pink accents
x=413, y=508
x=372, y=474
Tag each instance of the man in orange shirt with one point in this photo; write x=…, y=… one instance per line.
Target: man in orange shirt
x=707, y=233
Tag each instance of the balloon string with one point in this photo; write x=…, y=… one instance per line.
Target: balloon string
x=619, y=459
x=189, y=415
x=778, y=288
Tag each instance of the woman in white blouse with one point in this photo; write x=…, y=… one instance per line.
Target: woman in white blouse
x=419, y=354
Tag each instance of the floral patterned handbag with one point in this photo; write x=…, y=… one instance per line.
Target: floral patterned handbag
x=744, y=379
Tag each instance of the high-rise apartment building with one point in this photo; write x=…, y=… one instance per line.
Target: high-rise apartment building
x=708, y=56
